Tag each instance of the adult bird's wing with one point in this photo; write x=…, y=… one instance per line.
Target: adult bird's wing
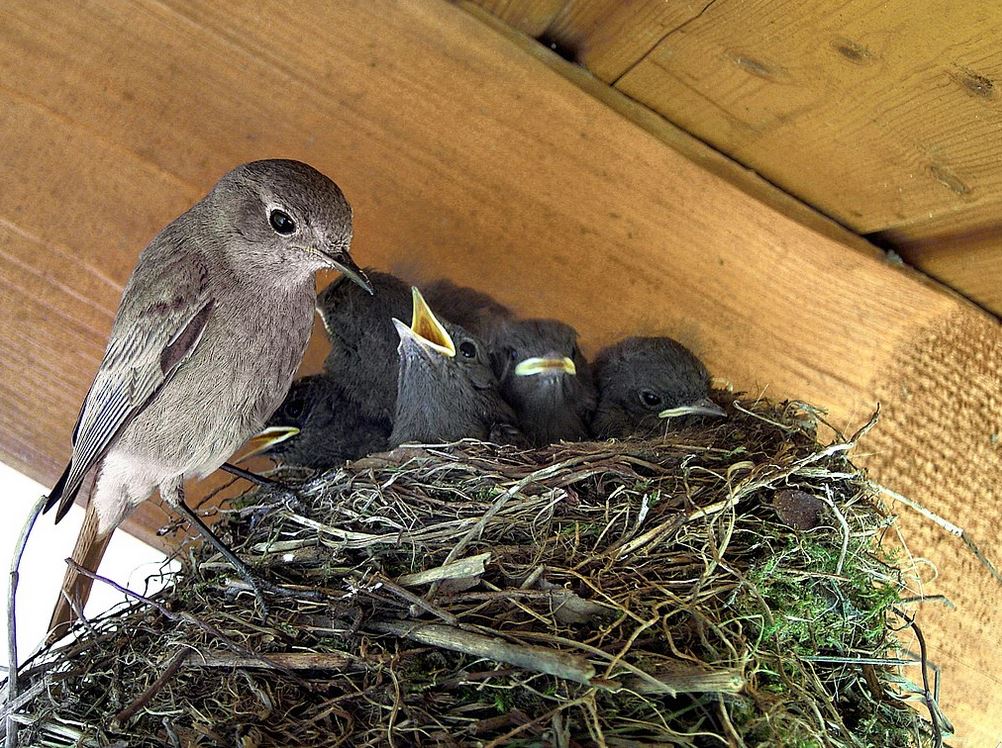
x=163, y=313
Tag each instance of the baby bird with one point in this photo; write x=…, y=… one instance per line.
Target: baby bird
x=446, y=387
x=475, y=311
x=363, y=359
x=644, y=380
x=545, y=378
x=318, y=427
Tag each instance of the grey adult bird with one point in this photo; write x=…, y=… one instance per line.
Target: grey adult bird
x=545, y=378
x=642, y=381
x=363, y=358
x=209, y=332
x=317, y=426
x=447, y=389
x=477, y=312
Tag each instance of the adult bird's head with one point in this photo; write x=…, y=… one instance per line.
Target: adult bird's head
x=283, y=218
x=545, y=377
x=644, y=382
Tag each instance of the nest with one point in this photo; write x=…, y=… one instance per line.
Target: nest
x=722, y=585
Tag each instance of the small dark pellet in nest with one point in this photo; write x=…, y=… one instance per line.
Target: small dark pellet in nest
x=723, y=585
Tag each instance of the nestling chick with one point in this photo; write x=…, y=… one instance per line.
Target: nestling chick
x=644, y=380
x=475, y=311
x=545, y=378
x=447, y=389
x=363, y=359
x=317, y=426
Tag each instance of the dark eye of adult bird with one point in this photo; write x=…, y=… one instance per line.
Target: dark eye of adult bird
x=468, y=349
x=650, y=398
x=281, y=222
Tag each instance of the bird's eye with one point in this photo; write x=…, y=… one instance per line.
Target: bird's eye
x=294, y=410
x=468, y=349
x=281, y=222
x=650, y=398
x=512, y=354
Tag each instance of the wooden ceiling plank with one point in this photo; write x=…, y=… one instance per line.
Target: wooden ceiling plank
x=874, y=114
x=969, y=261
x=610, y=36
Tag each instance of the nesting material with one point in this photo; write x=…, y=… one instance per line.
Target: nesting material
x=723, y=585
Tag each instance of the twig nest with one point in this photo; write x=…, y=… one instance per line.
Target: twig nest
x=718, y=586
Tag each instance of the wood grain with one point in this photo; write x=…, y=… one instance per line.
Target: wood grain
x=610, y=36
x=464, y=156
x=531, y=17
x=875, y=114
x=969, y=261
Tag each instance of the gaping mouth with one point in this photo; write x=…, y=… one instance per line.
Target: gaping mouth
x=266, y=439
x=545, y=365
x=425, y=330
x=704, y=407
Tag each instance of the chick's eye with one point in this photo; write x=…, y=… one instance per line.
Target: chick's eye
x=467, y=349
x=512, y=354
x=281, y=222
x=294, y=410
x=650, y=398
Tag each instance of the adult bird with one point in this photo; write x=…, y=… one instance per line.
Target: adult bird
x=545, y=378
x=643, y=380
x=209, y=332
x=447, y=389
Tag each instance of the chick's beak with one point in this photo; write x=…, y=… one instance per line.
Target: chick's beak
x=267, y=438
x=704, y=407
x=425, y=329
x=342, y=262
x=546, y=365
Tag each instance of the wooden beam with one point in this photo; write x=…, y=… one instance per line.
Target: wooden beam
x=463, y=155
x=873, y=113
x=610, y=36
x=531, y=17
x=969, y=261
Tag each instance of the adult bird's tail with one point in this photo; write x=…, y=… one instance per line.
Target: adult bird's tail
x=88, y=552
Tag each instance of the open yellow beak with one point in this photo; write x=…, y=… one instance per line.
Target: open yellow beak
x=425, y=328
x=545, y=365
x=268, y=438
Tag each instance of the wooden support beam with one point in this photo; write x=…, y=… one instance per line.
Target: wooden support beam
x=969, y=261
x=465, y=156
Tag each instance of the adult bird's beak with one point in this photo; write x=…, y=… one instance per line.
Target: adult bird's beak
x=268, y=438
x=341, y=261
x=425, y=329
x=545, y=365
x=704, y=407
